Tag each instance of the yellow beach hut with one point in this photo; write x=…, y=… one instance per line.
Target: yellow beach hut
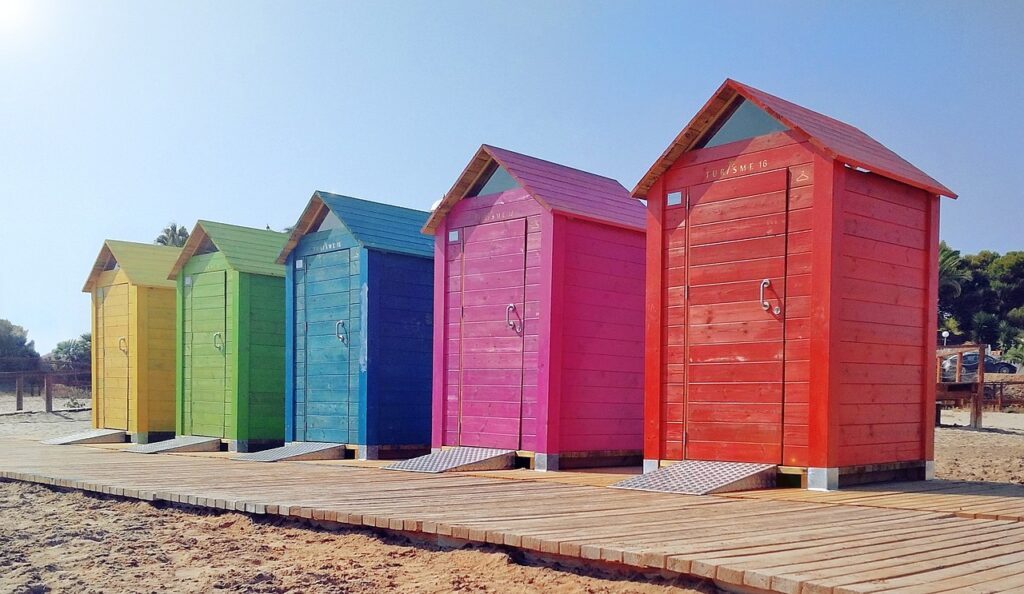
x=133, y=339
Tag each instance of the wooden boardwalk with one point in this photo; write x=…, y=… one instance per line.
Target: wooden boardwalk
x=985, y=501
x=757, y=542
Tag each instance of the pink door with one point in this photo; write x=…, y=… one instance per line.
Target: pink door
x=493, y=301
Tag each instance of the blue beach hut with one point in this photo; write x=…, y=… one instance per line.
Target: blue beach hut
x=359, y=316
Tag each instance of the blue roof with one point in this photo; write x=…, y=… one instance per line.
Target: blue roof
x=374, y=225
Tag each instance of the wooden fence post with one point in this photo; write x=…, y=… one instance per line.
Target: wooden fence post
x=979, y=395
x=19, y=395
x=48, y=392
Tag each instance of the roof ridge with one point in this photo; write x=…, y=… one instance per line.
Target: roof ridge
x=490, y=147
x=389, y=205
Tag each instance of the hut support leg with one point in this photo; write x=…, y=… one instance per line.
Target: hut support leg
x=545, y=462
x=822, y=479
x=929, y=470
x=48, y=393
x=651, y=465
x=368, y=452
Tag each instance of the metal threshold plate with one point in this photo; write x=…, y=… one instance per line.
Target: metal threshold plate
x=94, y=436
x=701, y=477
x=184, y=443
x=458, y=459
x=297, y=450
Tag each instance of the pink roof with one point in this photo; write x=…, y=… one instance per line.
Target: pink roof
x=831, y=137
x=557, y=187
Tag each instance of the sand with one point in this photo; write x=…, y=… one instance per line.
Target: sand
x=54, y=541
x=995, y=453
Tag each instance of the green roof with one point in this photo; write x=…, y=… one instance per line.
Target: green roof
x=246, y=249
x=145, y=264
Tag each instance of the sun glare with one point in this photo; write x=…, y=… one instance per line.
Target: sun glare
x=14, y=16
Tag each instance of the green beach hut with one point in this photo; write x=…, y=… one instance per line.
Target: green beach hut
x=230, y=339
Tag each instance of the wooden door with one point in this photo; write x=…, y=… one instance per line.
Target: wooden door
x=113, y=342
x=735, y=274
x=206, y=350
x=326, y=409
x=493, y=270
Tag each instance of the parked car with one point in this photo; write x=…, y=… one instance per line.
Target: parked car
x=970, y=367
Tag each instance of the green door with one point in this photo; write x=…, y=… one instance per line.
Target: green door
x=206, y=346
x=326, y=409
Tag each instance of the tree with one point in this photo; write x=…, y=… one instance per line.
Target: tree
x=952, y=274
x=72, y=355
x=172, y=235
x=17, y=352
x=985, y=328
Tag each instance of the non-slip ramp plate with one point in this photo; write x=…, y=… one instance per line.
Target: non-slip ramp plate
x=186, y=443
x=458, y=460
x=297, y=450
x=94, y=436
x=699, y=477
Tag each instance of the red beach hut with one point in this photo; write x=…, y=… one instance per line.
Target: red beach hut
x=791, y=277
x=538, y=319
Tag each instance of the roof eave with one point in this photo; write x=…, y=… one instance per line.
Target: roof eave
x=195, y=239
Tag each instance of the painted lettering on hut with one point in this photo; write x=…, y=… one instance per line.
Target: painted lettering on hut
x=734, y=168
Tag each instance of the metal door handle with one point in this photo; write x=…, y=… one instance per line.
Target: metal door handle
x=338, y=329
x=123, y=341
x=764, y=302
x=219, y=347
x=508, y=318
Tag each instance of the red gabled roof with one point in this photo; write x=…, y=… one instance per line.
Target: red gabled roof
x=557, y=187
x=832, y=138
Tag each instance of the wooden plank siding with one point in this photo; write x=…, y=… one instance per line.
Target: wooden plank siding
x=133, y=323
x=602, y=323
x=359, y=310
x=399, y=327
x=882, y=282
x=231, y=335
x=260, y=374
x=512, y=205
x=702, y=296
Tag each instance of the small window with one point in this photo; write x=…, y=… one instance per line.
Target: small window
x=494, y=180
x=206, y=247
x=329, y=222
x=745, y=120
x=674, y=199
x=453, y=236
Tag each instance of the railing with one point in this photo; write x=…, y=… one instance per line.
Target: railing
x=46, y=379
x=959, y=391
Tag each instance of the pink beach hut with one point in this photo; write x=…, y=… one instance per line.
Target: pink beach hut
x=539, y=313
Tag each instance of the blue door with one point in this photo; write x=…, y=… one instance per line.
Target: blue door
x=326, y=347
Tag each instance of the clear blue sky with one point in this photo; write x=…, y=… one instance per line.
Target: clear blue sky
x=117, y=117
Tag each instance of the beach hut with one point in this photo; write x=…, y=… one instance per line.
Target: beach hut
x=359, y=311
x=538, y=313
x=791, y=277
x=230, y=336
x=133, y=322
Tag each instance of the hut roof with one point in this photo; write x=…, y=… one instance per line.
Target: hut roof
x=834, y=139
x=558, y=188
x=145, y=264
x=374, y=225
x=246, y=249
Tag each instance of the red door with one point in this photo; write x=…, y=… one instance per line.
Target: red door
x=735, y=271
x=493, y=302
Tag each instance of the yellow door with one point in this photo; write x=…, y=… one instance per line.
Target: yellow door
x=112, y=323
